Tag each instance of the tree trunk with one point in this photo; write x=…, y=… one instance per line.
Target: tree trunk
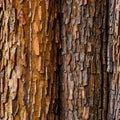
x=59, y=60
x=84, y=46
x=90, y=53
x=28, y=44
x=113, y=57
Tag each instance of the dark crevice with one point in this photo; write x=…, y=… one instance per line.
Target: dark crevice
x=107, y=37
x=104, y=74
x=58, y=72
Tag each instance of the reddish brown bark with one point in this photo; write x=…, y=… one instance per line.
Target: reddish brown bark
x=59, y=60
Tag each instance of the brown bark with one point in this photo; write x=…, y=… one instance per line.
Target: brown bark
x=84, y=75
x=28, y=44
x=59, y=60
x=113, y=60
x=44, y=64
x=90, y=55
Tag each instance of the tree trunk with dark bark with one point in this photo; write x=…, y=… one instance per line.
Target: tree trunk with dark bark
x=84, y=55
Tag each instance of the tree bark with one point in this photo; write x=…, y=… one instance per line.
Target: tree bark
x=84, y=75
x=59, y=60
x=113, y=60
x=28, y=45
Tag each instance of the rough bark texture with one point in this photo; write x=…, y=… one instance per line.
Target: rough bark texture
x=28, y=49
x=59, y=60
x=84, y=75
x=90, y=55
x=14, y=45
x=44, y=65
x=113, y=58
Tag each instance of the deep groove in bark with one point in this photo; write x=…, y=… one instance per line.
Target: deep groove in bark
x=107, y=27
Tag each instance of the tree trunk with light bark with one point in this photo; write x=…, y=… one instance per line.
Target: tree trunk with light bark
x=29, y=35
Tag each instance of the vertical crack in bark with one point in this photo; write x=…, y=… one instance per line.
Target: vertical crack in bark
x=30, y=58
x=59, y=83
x=104, y=74
x=30, y=43
x=107, y=79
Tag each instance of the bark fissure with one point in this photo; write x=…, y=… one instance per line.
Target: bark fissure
x=107, y=79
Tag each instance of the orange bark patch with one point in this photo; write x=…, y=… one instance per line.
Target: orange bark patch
x=36, y=46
